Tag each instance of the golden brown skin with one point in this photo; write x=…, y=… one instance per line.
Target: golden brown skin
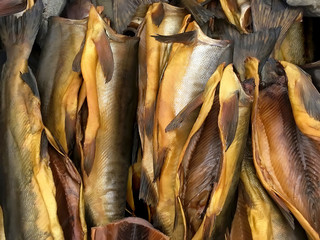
x=58, y=84
x=264, y=217
x=233, y=120
x=109, y=68
x=27, y=191
x=238, y=13
x=161, y=19
x=2, y=236
x=189, y=67
x=128, y=228
x=286, y=149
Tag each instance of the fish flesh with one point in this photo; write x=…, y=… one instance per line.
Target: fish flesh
x=285, y=137
x=58, y=84
x=193, y=59
x=232, y=125
x=8, y=7
x=128, y=228
x=27, y=187
x=111, y=98
x=163, y=19
x=264, y=218
x=238, y=13
x=199, y=160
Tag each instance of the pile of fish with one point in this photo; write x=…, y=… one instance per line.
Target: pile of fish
x=149, y=119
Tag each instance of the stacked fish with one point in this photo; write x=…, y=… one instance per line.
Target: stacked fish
x=149, y=119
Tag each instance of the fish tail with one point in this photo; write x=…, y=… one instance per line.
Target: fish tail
x=16, y=31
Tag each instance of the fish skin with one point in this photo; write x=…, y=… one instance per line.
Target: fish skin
x=238, y=13
x=153, y=58
x=58, y=84
x=8, y=7
x=112, y=98
x=195, y=188
x=2, y=236
x=265, y=218
x=218, y=211
x=297, y=128
x=51, y=8
x=128, y=228
x=189, y=68
x=27, y=187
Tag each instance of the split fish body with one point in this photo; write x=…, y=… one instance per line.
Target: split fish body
x=27, y=186
x=191, y=63
x=286, y=149
x=111, y=95
x=58, y=84
x=161, y=19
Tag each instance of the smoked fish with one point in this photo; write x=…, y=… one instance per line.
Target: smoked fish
x=193, y=59
x=128, y=229
x=228, y=120
x=285, y=139
x=58, y=84
x=255, y=207
x=2, y=236
x=111, y=95
x=8, y=7
x=163, y=19
x=27, y=190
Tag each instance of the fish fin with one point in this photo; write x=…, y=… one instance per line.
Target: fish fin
x=67, y=180
x=30, y=80
x=274, y=14
x=199, y=12
x=257, y=44
x=44, y=145
x=283, y=209
x=157, y=166
x=208, y=227
x=229, y=113
x=89, y=154
x=185, y=112
x=157, y=15
x=147, y=191
x=8, y=7
x=185, y=38
x=124, y=10
x=76, y=65
x=310, y=96
x=149, y=120
x=17, y=30
x=105, y=55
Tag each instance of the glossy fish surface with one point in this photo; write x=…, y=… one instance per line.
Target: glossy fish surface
x=27, y=190
x=193, y=59
x=58, y=84
x=264, y=217
x=161, y=19
x=235, y=102
x=286, y=149
x=111, y=96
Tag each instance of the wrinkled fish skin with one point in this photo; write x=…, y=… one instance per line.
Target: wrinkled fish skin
x=58, y=84
x=112, y=101
x=286, y=111
x=189, y=67
x=162, y=19
x=27, y=191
